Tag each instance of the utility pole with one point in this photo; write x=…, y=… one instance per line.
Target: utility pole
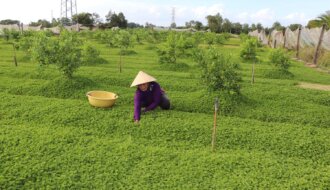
x=68, y=9
x=173, y=25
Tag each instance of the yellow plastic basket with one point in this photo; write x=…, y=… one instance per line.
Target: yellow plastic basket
x=102, y=99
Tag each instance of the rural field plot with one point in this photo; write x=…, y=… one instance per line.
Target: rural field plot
x=276, y=137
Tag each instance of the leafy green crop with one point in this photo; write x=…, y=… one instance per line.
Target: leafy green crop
x=275, y=135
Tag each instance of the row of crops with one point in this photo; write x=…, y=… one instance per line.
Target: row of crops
x=270, y=133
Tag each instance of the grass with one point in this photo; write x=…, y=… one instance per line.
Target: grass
x=50, y=137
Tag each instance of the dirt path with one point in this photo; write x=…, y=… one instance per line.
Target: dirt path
x=314, y=86
x=311, y=65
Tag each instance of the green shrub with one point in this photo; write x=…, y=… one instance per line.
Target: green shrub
x=91, y=55
x=63, y=51
x=278, y=74
x=243, y=37
x=219, y=73
x=210, y=38
x=169, y=53
x=280, y=59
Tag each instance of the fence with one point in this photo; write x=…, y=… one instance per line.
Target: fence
x=300, y=38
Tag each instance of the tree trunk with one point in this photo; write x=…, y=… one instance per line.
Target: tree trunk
x=318, y=47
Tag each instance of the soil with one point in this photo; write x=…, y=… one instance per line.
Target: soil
x=314, y=86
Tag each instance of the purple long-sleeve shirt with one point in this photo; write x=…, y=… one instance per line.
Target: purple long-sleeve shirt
x=149, y=98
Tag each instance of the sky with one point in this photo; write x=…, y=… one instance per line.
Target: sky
x=159, y=12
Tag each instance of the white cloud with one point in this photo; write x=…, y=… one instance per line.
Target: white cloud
x=203, y=11
x=296, y=18
x=263, y=16
x=146, y=11
x=243, y=17
x=27, y=11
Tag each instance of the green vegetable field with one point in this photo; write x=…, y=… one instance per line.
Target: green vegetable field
x=276, y=136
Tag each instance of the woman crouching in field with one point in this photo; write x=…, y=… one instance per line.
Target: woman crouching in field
x=148, y=95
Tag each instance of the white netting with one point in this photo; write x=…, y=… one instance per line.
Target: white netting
x=9, y=27
x=308, y=38
x=55, y=30
x=326, y=40
x=34, y=28
x=277, y=39
x=260, y=35
x=291, y=38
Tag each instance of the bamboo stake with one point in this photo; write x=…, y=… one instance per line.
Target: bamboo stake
x=269, y=38
x=284, y=43
x=298, y=42
x=254, y=61
x=318, y=47
x=216, y=107
x=121, y=51
x=15, y=60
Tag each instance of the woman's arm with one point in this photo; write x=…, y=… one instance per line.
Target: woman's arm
x=137, y=106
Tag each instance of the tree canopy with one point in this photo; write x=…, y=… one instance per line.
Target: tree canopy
x=9, y=21
x=214, y=22
x=86, y=19
x=116, y=20
x=320, y=20
x=44, y=23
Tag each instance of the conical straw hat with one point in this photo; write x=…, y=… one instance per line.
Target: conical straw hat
x=142, y=78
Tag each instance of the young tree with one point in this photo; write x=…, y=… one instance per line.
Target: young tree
x=169, y=53
x=249, y=50
x=63, y=51
x=219, y=72
x=123, y=40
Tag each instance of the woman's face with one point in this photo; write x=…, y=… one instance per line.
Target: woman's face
x=143, y=87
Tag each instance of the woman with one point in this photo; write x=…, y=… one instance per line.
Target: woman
x=148, y=94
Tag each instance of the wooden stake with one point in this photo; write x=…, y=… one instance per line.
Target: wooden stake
x=252, y=82
x=316, y=54
x=15, y=60
x=216, y=106
x=284, y=38
x=121, y=51
x=298, y=42
x=269, y=37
